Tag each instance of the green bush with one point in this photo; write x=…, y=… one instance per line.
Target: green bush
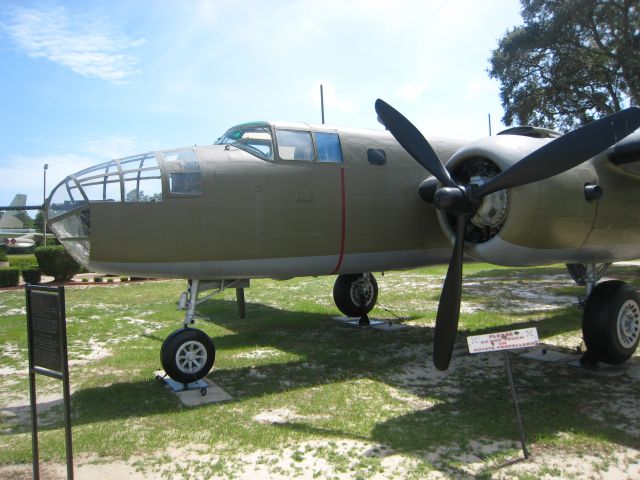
x=3, y=253
x=23, y=261
x=56, y=262
x=9, y=276
x=31, y=274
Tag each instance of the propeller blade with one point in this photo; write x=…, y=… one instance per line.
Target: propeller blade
x=412, y=141
x=565, y=152
x=444, y=336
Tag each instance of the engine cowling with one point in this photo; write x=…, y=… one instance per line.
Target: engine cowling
x=541, y=222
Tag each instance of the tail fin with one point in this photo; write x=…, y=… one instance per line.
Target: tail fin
x=9, y=219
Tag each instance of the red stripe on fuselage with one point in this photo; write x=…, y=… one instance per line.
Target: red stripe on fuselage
x=343, y=225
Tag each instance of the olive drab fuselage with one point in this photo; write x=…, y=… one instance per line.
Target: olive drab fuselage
x=262, y=206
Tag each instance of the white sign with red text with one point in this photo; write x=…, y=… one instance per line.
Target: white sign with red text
x=527, y=337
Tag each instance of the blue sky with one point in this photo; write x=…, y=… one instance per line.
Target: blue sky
x=85, y=81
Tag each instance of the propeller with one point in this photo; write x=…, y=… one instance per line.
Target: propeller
x=555, y=157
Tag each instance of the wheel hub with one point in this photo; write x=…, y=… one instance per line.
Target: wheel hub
x=360, y=288
x=628, y=324
x=191, y=357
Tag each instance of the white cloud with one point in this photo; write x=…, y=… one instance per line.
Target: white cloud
x=411, y=91
x=113, y=146
x=479, y=87
x=331, y=97
x=84, y=43
x=24, y=173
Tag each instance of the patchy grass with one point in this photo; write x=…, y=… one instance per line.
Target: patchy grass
x=316, y=399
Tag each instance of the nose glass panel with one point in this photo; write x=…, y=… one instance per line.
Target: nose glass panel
x=131, y=179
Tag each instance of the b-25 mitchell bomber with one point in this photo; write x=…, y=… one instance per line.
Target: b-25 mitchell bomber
x=279, y=200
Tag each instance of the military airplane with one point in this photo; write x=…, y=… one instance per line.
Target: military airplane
x=279, y=200
x=12, y=231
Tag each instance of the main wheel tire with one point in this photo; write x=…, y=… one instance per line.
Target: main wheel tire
x=187, y=355
x=348, y=289
x=611, y=322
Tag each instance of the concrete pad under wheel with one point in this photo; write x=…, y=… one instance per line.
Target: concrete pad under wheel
x=377, y=323
x=546, y=355
x=202, y=392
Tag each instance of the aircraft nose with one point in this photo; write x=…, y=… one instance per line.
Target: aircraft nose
x=68, y=208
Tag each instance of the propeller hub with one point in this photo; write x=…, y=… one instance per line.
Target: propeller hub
x=453, y=200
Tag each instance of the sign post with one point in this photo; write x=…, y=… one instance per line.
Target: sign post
x=47, y=338
x=505, y=341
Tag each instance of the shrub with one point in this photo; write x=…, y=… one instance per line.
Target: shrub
x=3, y=253
x=23, y=261
x=98, y=279
x=31, y=275
x=56, y=262
x=9, y=276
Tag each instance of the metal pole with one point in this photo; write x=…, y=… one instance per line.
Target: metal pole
x=241, y=302
x=44, y=199
x=322, y=103
x=489, y=124
x=65, y=384
x=514, y=397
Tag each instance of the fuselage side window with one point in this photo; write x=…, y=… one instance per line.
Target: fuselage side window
x=184, y=172
x=295, y=145
x=328, y=145
x=376, y=156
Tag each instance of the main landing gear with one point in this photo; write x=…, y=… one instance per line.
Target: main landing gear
x=188, y=354
x=611, y=319
x=355, y=295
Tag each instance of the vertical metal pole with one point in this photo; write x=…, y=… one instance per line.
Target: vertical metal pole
x=44, y=200
x=322, y=102
x=241, y=302
x=65, y=384
x=489, y=124
x=32, y=396
x=514, y=397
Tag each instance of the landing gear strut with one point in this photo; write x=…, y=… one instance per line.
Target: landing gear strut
x=188, y=354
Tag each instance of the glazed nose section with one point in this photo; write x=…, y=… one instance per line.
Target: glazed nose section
x=68, y=210
x=69, y=218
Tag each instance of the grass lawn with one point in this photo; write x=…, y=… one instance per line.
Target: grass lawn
x=316, y=399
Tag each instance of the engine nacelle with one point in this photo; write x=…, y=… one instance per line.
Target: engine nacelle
x=539, y=223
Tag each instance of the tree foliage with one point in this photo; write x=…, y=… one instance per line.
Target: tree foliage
x=572, y=61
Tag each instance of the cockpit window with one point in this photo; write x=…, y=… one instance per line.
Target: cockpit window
x=295, y=145
x=253, y=139
x=184, y=172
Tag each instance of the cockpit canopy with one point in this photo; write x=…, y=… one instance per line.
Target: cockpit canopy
x=284, y=142
x=254, y=138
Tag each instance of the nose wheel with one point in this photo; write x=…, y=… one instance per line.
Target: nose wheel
x=187, y=355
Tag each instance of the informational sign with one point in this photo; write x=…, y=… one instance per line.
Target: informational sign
x=46, y=330
x=47, y=339
x=493, y=342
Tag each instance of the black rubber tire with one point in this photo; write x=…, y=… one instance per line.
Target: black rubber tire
x=345, y=297
x=612, y=305
x=178, y=346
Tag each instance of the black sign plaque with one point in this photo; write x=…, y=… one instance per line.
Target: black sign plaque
x=46, y=331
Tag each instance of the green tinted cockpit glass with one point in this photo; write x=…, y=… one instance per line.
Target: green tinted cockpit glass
x=255, y=139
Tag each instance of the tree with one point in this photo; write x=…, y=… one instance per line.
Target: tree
x=572, y=61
